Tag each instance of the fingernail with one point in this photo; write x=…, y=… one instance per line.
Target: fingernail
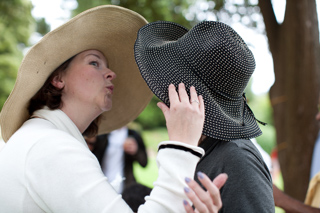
x=185, y=202
x=187, y=180
x=186, y=189
x=200, y=175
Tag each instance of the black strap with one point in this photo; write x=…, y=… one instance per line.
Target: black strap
x=250, y=111
x=172, y=146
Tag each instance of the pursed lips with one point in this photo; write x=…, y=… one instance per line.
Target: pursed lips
x=110, y=88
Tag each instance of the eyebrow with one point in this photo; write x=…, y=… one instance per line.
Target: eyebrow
x=107, y=65
x=93, y=55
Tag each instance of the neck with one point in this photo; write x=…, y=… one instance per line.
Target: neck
x=201, y=139
x=80, y=116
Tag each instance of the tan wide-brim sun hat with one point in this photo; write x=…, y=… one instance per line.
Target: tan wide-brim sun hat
x=109, y=29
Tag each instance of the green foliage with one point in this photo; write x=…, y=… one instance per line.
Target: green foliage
x=261, y=107
x=152, y=10
x=152, y=116
x=246, y=12
x=16, y=26
x=153, y=137
x=42, y=27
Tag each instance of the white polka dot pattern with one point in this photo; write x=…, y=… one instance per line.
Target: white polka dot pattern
x=212, y=57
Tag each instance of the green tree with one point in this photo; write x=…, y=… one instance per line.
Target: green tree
x=16, y=26
x=152, y=10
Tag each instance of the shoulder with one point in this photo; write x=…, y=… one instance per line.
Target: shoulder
x=35, y=130
x=249, y=179
x=56, y=148
x=39, y=135
x=241, y=150
x=236, y=158
x=234, y=150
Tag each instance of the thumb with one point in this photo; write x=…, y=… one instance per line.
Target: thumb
x=220, y=180
x=164, y=109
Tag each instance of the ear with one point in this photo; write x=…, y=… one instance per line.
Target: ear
x=57, y=82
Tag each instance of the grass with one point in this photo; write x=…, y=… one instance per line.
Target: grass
x=149, y=174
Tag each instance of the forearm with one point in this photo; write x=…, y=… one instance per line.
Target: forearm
x=168, y=192
x=291, y=205
x=295, y=206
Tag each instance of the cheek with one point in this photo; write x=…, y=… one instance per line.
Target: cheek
x=77, y=85
x=85, y=81
x=85, y=84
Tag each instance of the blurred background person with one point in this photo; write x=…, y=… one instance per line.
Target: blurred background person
x=134, y=195
x=116, y=153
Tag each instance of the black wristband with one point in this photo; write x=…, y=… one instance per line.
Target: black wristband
x=183, y=148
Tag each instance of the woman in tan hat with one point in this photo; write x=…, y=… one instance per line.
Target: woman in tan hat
x=65, y=88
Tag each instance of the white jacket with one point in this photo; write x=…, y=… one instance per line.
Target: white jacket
x=45, y=167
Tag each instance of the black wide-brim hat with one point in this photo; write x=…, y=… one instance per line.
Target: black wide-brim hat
x=214, y=59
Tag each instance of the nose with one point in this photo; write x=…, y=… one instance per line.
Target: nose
x=110, y=75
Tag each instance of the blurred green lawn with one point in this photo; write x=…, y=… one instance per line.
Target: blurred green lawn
x=149, y=174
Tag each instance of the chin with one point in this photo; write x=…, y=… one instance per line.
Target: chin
x=107, y=108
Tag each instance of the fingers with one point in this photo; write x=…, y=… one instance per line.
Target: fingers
x=201, y=105
x=184, y=120
x=163, y=108
x=187, y=207
x=200, y=205
x=173, y=95
x=220, y=180
x=194, y=99
x=214, y=186
x=184, y=98
x=205, y=201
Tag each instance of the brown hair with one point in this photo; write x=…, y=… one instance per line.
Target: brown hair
x=50, y=96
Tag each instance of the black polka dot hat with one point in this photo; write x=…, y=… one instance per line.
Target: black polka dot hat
x=212, y=57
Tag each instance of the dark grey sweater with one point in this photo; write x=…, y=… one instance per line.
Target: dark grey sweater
x=249, y=185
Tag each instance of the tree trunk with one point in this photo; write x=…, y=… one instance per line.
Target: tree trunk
x=294, y=46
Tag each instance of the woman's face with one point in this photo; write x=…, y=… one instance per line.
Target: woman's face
x=88, y=82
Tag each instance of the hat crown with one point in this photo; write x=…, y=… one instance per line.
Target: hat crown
x=219, y=56
x=214, y=59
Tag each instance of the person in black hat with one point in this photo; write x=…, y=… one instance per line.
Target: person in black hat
x=214, y=59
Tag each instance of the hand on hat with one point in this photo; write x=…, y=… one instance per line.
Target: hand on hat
x=205, y=201
x=185, y=117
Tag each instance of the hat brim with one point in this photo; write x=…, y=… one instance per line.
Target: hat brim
x=162, y=63
x=110, y=29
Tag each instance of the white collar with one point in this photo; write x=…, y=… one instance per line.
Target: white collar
x=61, y=121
